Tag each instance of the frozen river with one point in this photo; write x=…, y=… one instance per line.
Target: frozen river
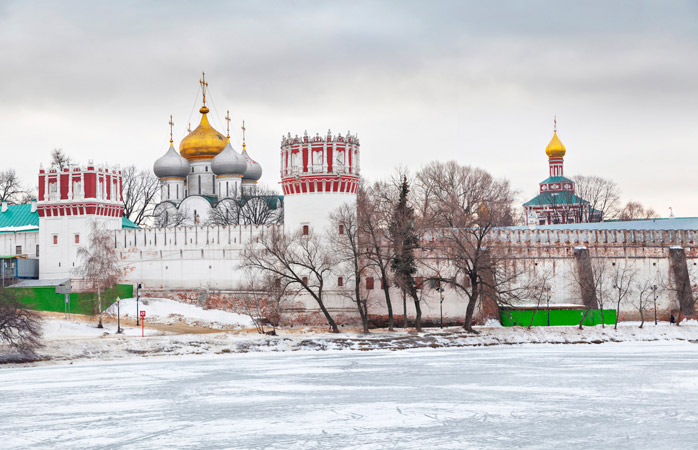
x=534, y=396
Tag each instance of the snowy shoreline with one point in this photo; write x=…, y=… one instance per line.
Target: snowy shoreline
x=77, y=342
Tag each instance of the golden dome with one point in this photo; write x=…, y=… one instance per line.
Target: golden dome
x=555, y=149
x=204, y=142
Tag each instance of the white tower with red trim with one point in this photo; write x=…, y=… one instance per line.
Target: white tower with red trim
x=318, y=175
x=69, y=200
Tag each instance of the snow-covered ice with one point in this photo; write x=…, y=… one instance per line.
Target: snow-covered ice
x=615, y=395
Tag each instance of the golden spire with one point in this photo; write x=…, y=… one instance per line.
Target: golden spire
x=227, y=119
x=243, y=135
x=171, y=125
x=555, y=148
x=204, y=85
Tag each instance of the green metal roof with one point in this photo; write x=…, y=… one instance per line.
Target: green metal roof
x=126, y=223
x=555, y=198
x=556, y=180
x=19, y=218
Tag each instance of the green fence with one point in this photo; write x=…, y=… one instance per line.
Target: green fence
x=558, y=317
x=46, y=299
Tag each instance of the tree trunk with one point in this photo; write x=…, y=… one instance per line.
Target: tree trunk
x=418, y=314
x=615, y=326
x=532, y=317
x=363, y=307
x=388, y=303
x=99, y=305
x=404, y=309
x=469, y=311
x=642, y=318
x=329, y=318
x=583, y=318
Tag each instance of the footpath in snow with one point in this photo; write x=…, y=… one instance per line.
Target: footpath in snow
x=174, y=328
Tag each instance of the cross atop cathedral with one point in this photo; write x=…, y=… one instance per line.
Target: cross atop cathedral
x=171, y=125
x=204, y=85
x=555, y=124
x=243, y=135
x=227, y=119
x=189, y=128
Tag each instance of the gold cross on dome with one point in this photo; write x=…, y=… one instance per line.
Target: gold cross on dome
x=227, y=119
x=189, y=128
x=555, y=124
x=204, y=85
x=171, y=125
x=243, y=134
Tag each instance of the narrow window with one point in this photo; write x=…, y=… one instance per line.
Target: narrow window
x=213, y=177
x=77, y=238
x=341, y=229
x=55, y=239
x=277, y=283
x=37, y=250
x=168, y=192
x=206, y=169
x=18, y=250
x=199, y=184
x=305, y=280
x=419, y=281
x=306, y=230
x=340, y=281
x=369, y=283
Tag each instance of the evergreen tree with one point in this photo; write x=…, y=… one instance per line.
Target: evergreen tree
x=405, y=242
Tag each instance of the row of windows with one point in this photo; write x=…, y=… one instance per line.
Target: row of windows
x=18, y=250
x=370, y=283
x=76, y=239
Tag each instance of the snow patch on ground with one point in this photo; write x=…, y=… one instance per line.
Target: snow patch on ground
x=166, y=311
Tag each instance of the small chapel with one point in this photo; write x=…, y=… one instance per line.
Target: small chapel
x=557, y=202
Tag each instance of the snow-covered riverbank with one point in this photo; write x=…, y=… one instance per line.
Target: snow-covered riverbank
x=77, y=340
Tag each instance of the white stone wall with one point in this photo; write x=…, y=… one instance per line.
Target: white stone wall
x=60, y=260
x=312, y=209
x=28, y=240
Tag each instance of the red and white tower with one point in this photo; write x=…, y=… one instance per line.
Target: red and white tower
x=318, y=175
x=69, y=200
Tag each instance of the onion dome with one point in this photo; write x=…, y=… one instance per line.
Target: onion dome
x=204, y=142
x=171, y=164
x=555, y=149
x=254, y=170
x=229, y=162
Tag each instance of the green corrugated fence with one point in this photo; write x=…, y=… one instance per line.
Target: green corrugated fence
x=46, y=299
x=558, y=317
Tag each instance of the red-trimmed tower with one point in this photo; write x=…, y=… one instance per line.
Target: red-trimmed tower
x=69, y=200
x=318, y=175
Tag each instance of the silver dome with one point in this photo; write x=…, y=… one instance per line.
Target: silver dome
x=229, y=162
x=254, y=170
x=171, y=164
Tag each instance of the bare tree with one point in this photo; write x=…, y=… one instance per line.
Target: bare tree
x=301, y=262
x=140, y=189
x=19, y=326
x=99, y=263
x=465, y=206
x=344, y=241
x=635, y=211
x=622, y=280
x=263, y=302
x=261, y=210
x=11, y=190
x=375, y=205
x=601, y=193
x=59, y=159
x=645, y=296
x=173, y=216
x=226, y=212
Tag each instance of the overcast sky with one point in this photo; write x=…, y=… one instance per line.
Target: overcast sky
x=478, y=82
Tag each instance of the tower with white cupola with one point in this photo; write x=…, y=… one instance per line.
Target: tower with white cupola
x=318, y=175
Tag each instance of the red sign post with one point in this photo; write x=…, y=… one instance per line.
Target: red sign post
x=142, y=323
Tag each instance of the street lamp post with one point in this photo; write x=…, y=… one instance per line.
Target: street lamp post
x=138, y=297
x=441, y=306
x=118, y=315
x=654, y=291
